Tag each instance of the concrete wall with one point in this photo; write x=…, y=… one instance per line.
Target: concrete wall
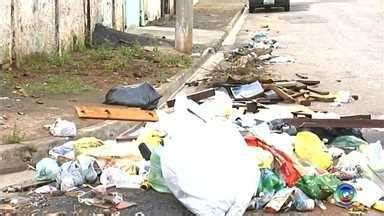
x=5, y=30
x=72, y=23
x=50, y=26
x=119, y=15
x=35, y=28
x=152, y=9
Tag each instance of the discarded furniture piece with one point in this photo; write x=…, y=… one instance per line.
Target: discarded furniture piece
x=116, y=113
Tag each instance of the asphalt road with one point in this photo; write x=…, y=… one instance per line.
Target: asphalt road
x=331, y=40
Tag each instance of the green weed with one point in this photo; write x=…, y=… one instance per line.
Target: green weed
x=57, y=84
x=16, y=136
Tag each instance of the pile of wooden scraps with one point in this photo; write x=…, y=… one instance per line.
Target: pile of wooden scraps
x=299, y=91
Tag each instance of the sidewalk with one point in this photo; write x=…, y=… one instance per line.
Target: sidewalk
x=25, y=117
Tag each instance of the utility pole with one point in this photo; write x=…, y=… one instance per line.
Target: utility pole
x=184, y=26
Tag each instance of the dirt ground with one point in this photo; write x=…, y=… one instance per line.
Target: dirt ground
x=47, y=87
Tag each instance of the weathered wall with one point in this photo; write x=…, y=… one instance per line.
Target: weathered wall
x=5, y=30
x=152, y=9
x=106, y=10
x=119, y=15
x=37, y=26
x=34, y=27
x=72, y=23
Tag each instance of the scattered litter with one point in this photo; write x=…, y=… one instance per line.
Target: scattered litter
x=65, y=151
x=63, y=128
x=141, y=95
x=247, y=91
x=281, y=201
x=46, y=169
x=281, y=60
x=46, y=189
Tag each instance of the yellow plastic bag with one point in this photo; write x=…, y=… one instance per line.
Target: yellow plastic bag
x=85, y=144
x=310, y=148
x=151, y=137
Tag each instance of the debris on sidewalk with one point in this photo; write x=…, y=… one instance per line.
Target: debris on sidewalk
x=141, y=95
x=63, y=128
x=116, y=113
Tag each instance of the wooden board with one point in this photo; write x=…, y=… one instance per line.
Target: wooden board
x=116, y=113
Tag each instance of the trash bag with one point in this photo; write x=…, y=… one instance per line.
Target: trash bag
x=63, y=128
x=348, y=143
x=374, y=153
x=206, y=164
x=83, y=145
x=140, y=95
x=269, y=182
x=302, y=202
x=89, y=168
x=318, y=187
x=69, y=176
x=155, y=178
x=367, y=192
x=310, y=148
x=46, y=169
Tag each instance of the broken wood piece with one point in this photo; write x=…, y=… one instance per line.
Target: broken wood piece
x=309, y=82
x=318, y=92
x=335, y=123
x=301, y=76
x=287, y=98
x=304, y=101
x=298, y=94
x=322, y=98
x=289, y=91
x=116, y=113
x=197, y=96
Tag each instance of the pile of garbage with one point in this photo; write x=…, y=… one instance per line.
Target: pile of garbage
x=217, y=159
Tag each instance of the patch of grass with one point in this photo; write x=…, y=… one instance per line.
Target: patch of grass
x=16, y=136
x=6, y=80
x=169, y=60
x=57, y=84
x=39, y=61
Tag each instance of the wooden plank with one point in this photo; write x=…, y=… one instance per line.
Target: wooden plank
x=335, y=123
x=116, y=113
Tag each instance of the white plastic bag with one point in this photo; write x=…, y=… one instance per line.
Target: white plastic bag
x=206, y=164
x=63, y=128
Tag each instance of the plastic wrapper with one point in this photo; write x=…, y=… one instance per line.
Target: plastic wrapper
x=270, y=182
x=282, y=200
x=140, y=95
x=302, y=202
x=155, y=177
x=318, y=187
x=286, y=166
x=348, y=143
x=83, y=145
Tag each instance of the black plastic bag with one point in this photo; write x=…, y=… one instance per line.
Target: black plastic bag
x=140, y=95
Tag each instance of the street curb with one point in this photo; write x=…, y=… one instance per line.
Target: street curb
x=15, y=157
